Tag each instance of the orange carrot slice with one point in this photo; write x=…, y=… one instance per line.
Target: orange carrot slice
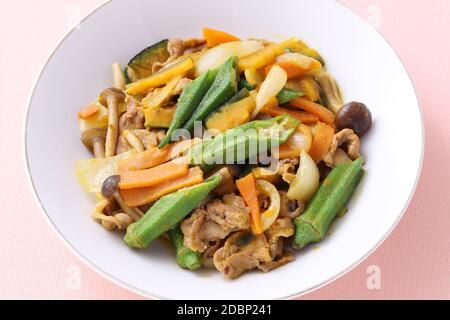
x=142, y=196
x=130, y=179
x=144, y=160
x=304, y=117
x=321, y=142
x=247, y=188
x=324, y=114
x=88, y=112
x=154, y=156
x=215, y=37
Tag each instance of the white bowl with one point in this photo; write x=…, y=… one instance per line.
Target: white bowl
x=365, y=66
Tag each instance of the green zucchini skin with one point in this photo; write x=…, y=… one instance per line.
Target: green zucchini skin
x=141, y=65
x=334, y=193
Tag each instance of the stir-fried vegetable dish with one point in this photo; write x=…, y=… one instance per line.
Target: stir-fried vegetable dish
x=239, y=151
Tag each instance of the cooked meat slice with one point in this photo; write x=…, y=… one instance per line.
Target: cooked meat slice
x=194, y=45
x=192, y=230
x=208, y=255
x=148, y=138
x=276, y=235
x=235, y=201
x=340, y=157
x=176, y=47
x=271, y=265
x=286, y=169
x=290, y=208
x=243, y=251
x=216, y=222
x=336, y=155
x=230, y=213
x=282, y=228
x=276, y=248
x=122, y=145
x=194, y=42
x=134, y=117
x=237, y=256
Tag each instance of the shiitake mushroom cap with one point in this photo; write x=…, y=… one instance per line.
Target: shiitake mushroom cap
x=110, y=186
x=355, y=116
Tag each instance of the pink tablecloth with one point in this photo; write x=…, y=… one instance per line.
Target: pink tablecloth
x=414, y=262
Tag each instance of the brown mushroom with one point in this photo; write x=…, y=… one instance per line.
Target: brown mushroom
x=355, y=116
x=111, y=98
x=110, y=190
x=112, y=221
x=110, y=186
x=94, y=140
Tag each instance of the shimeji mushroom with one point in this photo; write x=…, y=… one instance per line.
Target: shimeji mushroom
x=111, y=98
x=118, y=77
x=119, y=221
x=133, y=141
x=94, y=140
x=355, y=116
x=110, y=190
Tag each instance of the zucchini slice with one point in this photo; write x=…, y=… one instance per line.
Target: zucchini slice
x=141, y=65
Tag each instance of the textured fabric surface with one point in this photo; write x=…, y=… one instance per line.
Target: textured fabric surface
x=414, y=262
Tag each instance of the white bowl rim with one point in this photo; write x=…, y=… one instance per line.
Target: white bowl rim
x=138, y=291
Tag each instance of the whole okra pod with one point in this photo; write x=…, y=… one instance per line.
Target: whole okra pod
x=334, y=193
x=167, y=212
x=189, y=100
x=243, y=142
x=223, y=88
x=186, y=258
